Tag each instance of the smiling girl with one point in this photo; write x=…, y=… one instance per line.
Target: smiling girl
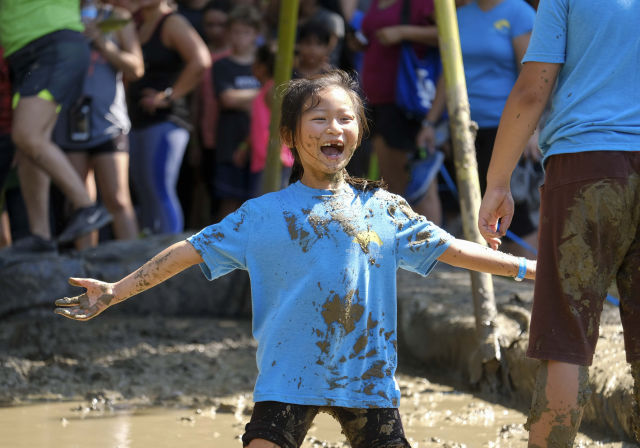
x=322, y=255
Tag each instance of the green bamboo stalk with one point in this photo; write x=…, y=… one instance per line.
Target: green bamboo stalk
x=288, y=19
x=463, y=136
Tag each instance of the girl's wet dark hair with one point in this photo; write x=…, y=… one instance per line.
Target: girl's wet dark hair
x=294, y=97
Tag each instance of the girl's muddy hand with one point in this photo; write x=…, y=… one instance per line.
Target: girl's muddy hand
x=97, y=298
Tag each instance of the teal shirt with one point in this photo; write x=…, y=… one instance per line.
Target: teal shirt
x=23, y=21
x=323, y=268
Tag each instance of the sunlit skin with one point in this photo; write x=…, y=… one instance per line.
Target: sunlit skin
x=327, y=137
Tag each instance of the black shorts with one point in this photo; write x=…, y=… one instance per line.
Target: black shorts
x=119, y=143
x=287, y=424
x=7, y=151
x=397, y=130
x=232, y=182
x=51, y=67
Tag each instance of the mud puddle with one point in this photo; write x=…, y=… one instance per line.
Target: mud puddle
x=434, y=415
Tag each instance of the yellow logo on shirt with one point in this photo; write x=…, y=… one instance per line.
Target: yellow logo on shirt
x=502, y=25
x=365, y=238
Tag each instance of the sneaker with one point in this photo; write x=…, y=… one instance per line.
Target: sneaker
x=33, y=244
x=83, y=221
x=423, y=171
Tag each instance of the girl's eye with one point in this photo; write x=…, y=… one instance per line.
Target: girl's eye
x=318, y=119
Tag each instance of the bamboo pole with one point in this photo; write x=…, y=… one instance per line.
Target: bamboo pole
x=288, y=19
x=463, y=135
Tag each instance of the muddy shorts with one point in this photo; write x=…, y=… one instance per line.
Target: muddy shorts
x=51, y=67
x=286, y=425
x=589, y=238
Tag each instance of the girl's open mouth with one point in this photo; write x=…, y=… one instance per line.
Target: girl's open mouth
x=332, y=150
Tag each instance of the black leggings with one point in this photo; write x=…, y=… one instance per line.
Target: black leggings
x=287, y=424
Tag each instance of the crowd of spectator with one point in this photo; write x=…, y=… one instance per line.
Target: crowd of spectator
x=164, y=125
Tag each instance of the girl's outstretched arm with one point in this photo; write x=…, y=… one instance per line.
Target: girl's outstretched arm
x=101, y=295
x=474, y=256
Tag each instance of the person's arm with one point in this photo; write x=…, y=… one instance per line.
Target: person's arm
x=101, y=295
x=392, y=35
x=194, y=52
x=520, y=44
x=519, y=120
x=238, y=98
x=426, y=137
x=126, y=55
x=182, y=37
x=476, y=257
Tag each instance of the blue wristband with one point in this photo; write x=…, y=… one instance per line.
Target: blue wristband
x=522, y=269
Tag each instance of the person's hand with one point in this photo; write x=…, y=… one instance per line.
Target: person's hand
x=130, y=5
x=95, y=36
x=98, y=297
x=153, y=100
x=241, y=155
x=426, y=138
x=390, y=35
x=496, y=207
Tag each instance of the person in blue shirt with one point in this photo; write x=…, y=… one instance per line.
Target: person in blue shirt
x=322, y=256
x=582, y=58
x=494, y=35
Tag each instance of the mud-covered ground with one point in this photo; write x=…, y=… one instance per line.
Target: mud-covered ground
x=203, y=366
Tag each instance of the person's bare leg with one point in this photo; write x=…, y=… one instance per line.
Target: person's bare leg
x=561, y=392
x=635, y=418
x=112, y=176
x=392, y=164
x=5, y=230
x=261, y=443
x=33, y=122
x=35, y=188
x=80, y=162
x=429, y=205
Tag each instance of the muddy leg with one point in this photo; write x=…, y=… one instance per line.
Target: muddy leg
x=635, y=422
x=561, y=392
x=261, y=443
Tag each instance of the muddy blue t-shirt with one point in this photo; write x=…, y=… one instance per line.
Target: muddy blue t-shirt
x=323, y=280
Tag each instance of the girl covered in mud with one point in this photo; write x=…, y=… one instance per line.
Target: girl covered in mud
x=322, y=256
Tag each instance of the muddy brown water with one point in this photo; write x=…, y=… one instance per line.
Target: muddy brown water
x=434, y=415
x=132, y=382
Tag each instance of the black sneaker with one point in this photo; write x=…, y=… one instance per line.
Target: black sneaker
x=83, y=221
x=33, y=244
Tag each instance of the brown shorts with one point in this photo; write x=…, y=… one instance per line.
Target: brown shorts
x=589, y=237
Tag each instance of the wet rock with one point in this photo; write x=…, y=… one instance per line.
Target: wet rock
x=32, y=282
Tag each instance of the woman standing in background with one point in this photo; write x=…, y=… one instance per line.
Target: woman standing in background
x=175, y=57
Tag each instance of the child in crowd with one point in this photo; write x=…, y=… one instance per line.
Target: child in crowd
x=205, y=103
x=235, y=87
x=312, y=50
x=263, y=69
x=322, y=255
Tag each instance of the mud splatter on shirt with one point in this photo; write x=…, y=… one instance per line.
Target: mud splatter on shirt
x=323, y=270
